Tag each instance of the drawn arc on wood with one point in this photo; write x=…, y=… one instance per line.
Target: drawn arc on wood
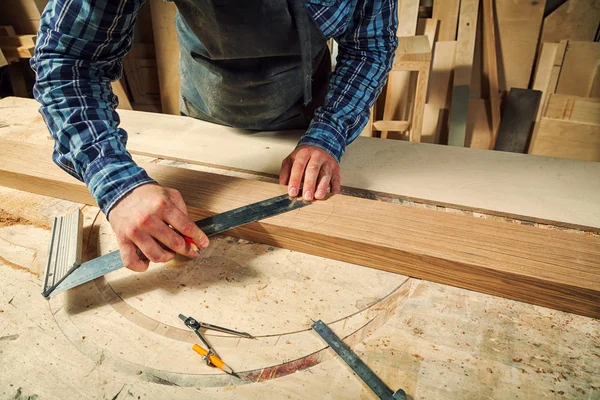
x=105, y=304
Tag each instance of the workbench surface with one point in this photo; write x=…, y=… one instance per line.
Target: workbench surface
x=119, y=337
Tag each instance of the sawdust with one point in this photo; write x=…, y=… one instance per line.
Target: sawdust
x=8, y=219
x=18, y=267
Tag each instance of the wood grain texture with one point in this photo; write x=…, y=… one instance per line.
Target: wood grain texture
x=446, y=11
x=566, y=139
x=520, y=109
x=167, y=54
x=579, y=68
x=574, y=20
x=585, y=110
x=490, y=66
x=497, y=183
x=549, y=268
x=519, y=25
x=479, y=128
x=543, y=74
x=463, y=66
x=119, y=91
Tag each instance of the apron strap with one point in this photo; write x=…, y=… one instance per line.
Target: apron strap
x=300, y=14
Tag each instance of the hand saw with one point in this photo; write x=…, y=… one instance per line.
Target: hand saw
x=64, y=269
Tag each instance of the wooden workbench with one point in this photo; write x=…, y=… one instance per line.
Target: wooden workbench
x=119, y=337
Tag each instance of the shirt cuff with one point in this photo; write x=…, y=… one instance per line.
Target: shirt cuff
x=326, y=137
x=110, y=178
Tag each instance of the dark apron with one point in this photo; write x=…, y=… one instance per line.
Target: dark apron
x=251, y=64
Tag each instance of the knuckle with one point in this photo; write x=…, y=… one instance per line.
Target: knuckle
x=161, y=204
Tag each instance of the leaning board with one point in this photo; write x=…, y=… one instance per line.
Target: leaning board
x=550, y=268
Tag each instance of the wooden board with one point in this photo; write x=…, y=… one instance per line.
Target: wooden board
x=566, y=139
x=584, y=110
x=574, y=20
x=167, y=54
x=477, y=254
x=498, y=183
x=543, y=74
x=490, y=66
x=520, y=110
x=579, y=68
x=479, y=128
x=463, y=65
x=398, y=83
x=446, y=11
x=119, y=91
x=519, y=25
x=23, y=15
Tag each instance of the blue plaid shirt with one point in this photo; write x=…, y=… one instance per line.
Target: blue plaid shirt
x=79, y=50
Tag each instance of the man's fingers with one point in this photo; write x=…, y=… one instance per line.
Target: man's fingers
x=151, y=249
x=284, y=174
x=296, y=176
x=310, y=178
x=182, y=223
x=323, y=185
x=131, y=259
x=176, y=198
x=335, y=184
x=171, y=239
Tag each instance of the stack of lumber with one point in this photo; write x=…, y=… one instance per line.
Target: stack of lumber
x=495, y=66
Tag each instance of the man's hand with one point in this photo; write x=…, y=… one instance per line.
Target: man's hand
x=140, y=221
x=319, y=168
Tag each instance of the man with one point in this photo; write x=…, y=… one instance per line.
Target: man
x=252, y=64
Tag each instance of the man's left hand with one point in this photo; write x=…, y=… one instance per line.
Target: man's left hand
x=318, y=168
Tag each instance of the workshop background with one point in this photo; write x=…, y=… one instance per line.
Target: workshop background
x=531, y=70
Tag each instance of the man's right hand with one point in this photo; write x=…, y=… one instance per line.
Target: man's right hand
x=140, y=220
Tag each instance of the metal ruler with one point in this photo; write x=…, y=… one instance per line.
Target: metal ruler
x=358, y=366
x=64, y=271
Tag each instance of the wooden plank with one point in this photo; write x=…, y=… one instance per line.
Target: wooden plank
x=579, y=68
x=391, y=125
x=520, y=109
x=543, y=74
x=574, y=20
x=519, y=25
x=167, y=54
x=549, y=268
x=23, y=15
x=17, y=41
x=490, y=66
x=584, y=110
x=498, y=183
x=446, y=11
x=438, y=92
x=463, y=64
x=397, y=98
x=566, y=139
x=479, y=129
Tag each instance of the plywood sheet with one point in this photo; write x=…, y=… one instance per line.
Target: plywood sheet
x=549, y=268
x=579, y=68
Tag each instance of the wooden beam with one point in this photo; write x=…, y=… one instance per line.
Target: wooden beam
x=391, y=125
x=574, y=20
x=167, y=54
x=549, y=268
x=490, y=66
x=463, y=66
x=543, y=74
x=566, y=139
